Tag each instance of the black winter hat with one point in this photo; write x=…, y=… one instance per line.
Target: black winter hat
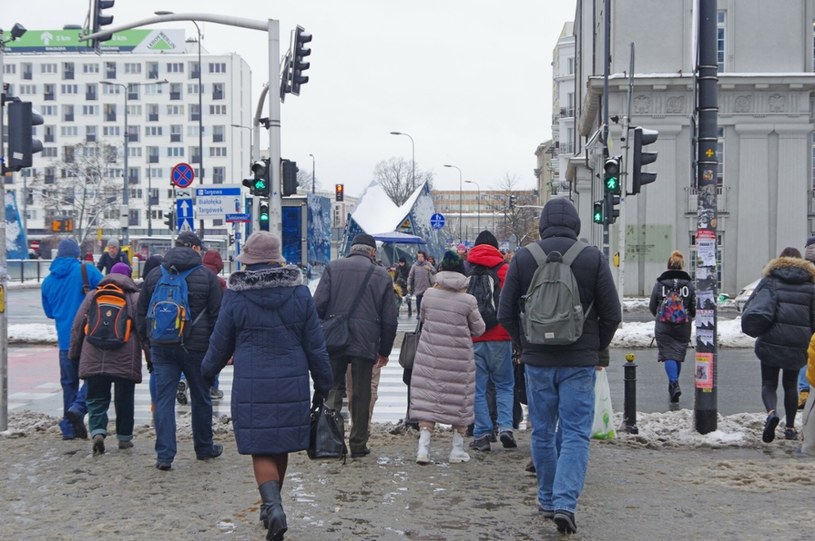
x=485, y=237
x=451, y=261
x=810, y=241
x=366, y=239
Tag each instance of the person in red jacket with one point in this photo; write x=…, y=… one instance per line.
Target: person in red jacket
x=493, y=356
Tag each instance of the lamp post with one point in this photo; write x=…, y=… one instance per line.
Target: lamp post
x=478, y=203
x=313, y=190
x=200, y=114
x=412, y=158
x=460, y=201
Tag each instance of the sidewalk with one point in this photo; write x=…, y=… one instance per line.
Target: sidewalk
x=637, y=488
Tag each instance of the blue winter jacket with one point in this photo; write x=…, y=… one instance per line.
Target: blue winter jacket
x=62, y=294
x=269, y=322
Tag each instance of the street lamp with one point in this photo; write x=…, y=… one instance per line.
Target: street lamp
x=460, y=201
x=200, y=113
x=126, y=191
x=412, y=157
x=312, y=173
x=478, y=202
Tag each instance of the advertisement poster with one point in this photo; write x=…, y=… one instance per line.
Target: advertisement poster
x=704, y=371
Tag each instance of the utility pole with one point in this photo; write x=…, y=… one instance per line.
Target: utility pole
x=3, y=267
x=705, y=403
x=606, y=62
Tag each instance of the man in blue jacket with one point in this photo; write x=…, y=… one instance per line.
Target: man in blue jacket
x=63, y=290
x=560, y=378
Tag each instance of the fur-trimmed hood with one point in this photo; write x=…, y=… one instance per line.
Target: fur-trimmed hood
x=288, y=276
x=790, y=269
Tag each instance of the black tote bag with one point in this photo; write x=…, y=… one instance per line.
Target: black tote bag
x=410, y=343
x=327, y=437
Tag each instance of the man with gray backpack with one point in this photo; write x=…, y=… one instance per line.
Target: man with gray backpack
x=559, y=303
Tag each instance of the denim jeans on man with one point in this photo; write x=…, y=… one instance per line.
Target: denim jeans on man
x=560, y=399
x=73, y=396
x=493, y=361
x=99, y=402
x=168, y=363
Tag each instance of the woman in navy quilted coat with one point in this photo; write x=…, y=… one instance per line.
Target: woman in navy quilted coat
x=269, y=323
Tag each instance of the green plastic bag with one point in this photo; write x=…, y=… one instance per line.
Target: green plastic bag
x=602, y=428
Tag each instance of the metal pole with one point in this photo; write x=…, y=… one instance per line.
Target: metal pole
x=630, y=395
x=200, y=125
x=3, y=268
x=705, y=403
x=606, y=62
x=125, y=218
x=149, y=201
x=275, y=202
x=313, y=189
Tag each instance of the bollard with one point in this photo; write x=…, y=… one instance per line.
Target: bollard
x=630, y=397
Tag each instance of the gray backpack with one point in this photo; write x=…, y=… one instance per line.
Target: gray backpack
x=551, y=312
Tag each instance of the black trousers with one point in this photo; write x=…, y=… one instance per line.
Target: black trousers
x=361, y=371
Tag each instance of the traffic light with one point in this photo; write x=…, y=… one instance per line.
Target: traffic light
x=597, y=215
x=642, y=137
x=169, y=220
x=339, y=192
x=289, y=175
x=298, y=63
x=260, y=184
x=99, y=19
x=511, y=202
x=611, y=212
x=263, y=218
x=21, y=142
x=611, y=180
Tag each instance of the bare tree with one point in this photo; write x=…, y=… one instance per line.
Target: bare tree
x=85, y=191
x=304, y=182
x=518, y=210
x=395, y=175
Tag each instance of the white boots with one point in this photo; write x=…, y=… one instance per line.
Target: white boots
x=423, y=454
x=458, y=454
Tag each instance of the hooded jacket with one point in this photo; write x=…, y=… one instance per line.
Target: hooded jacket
x=672, y=340
x=269, y=322
x=785, y=344
x=62, y=294
x=213, y=261
x=559, y=228
x=442, y=386
x=124, y=362
x=204, y=296
x=488, y=256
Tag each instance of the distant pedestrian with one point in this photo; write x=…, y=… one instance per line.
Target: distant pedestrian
x=803, y=382
x=372, y=329
x=560, y=378
x=268, y=321
x=111, y=256
x=420, y=278
x=443, y=381
x=783, y=347
x=152, y=262
x=401, y=279
x=673, y=303
x=808, y=431
x=63, y=291
x=101, y=368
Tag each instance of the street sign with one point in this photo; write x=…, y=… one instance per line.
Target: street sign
x=437, y=221
x=185, y=214
x=217, y=201
x=183, y=175
x=238, y=217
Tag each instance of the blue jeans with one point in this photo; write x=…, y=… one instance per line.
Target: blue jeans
x=493, y=361
x=73, y=396
x=168, y=363
x=803, y=382
x=99, y=403
x=560, y=399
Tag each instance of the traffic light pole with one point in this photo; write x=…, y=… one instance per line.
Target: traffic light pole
x=3, y=271
x=275, y=194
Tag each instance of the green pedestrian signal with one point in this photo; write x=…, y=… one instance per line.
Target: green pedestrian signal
x=612, y=175
x=597, y=215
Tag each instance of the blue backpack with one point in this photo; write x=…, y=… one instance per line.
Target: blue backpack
x=168, y=315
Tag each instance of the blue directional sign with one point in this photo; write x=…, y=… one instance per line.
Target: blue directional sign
x=185, y=214
x=437, y=221
x=183, y=174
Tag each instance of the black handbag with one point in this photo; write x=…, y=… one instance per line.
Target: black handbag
x=410, y=343
x=335, y=326
x=327, y=434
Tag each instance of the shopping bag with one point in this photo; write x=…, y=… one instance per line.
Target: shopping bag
x=602, y=428
x=410, y=343
x=327, y=437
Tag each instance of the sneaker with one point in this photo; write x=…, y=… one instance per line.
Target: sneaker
x=78, y=423
x=481, y=444
x=565, y=522
x=769, y=427
x=181, y=395
x=802, y=399
x=674, y=392
x=547, y=513
x=530, y=467
x=98, y=445
x=125, y=444
x=163, y=466
x=217, y=450
x=508, y=440
x=790, y=434
x=215, y=394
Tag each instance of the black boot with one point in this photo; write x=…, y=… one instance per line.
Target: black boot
x=271, y=510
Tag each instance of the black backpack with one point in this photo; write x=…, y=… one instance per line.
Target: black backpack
x=485, y=286
x=108, y=325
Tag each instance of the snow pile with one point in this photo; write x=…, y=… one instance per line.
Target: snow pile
x=637, y=334
x=32, y=333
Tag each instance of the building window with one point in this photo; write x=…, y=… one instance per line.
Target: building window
x=48, y=110
x=67, y=70
x=194, y=70
x=132, y=67
x=175, y=110
x=175, y=67
x=110, y=70
x=217, y=152
x=218, y=175
x=49, y=135
x=68, y=154
x=134, y=110
x=133, y=134
x=110, y=89
x=67, y=113
x=217, y=67
x=218, y=91
x=195, y=112
x=49, y=92
x=48, y=68
x=152, y=70
x=27, y=70
x=90, y=110
x=152, y=112
x=721, y=17
x=152, y=157
x=175, y=91
x=90, y=68
x=175, y=152
x=69, y=89
x=91, y=92
x=195, y=156
x=49, y=152
x=176, y=133
x=27, y=89
x=132, y=92
x=110, y=112
x=570, y=65
x=217, y=109
x=111, y=131
x=152, y=131
x=10, y=69
x=192, y=89
x=69, y=131
x=218, y=134
x=90, y=134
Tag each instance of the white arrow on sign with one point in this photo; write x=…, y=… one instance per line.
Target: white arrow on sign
x=185, y=209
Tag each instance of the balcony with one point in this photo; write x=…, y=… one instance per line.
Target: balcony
x=49, y=96
x=27, y=75
x=152, y=117
x=152, y=158
x=152, y=74
x=175, y=137
x=90, y=95
x=692, y=199
x=175, y=96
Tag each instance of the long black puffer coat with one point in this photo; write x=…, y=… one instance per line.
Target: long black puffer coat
x=673, y=339
x=785, y=344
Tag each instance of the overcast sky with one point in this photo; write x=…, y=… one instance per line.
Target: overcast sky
x=470, y=80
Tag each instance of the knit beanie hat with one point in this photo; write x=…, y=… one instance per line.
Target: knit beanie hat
x=121, y=268
x=809, y=252
x=68, y=248
x=114, y=243
x=485, y=237
x=452, y=262
x=364, y=239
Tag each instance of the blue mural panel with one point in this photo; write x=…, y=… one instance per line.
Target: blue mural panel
x=16, y=243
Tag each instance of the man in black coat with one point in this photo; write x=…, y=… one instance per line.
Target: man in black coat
x=560, y=378
x=372, y=329
x=204, y=294
x=112, y=256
